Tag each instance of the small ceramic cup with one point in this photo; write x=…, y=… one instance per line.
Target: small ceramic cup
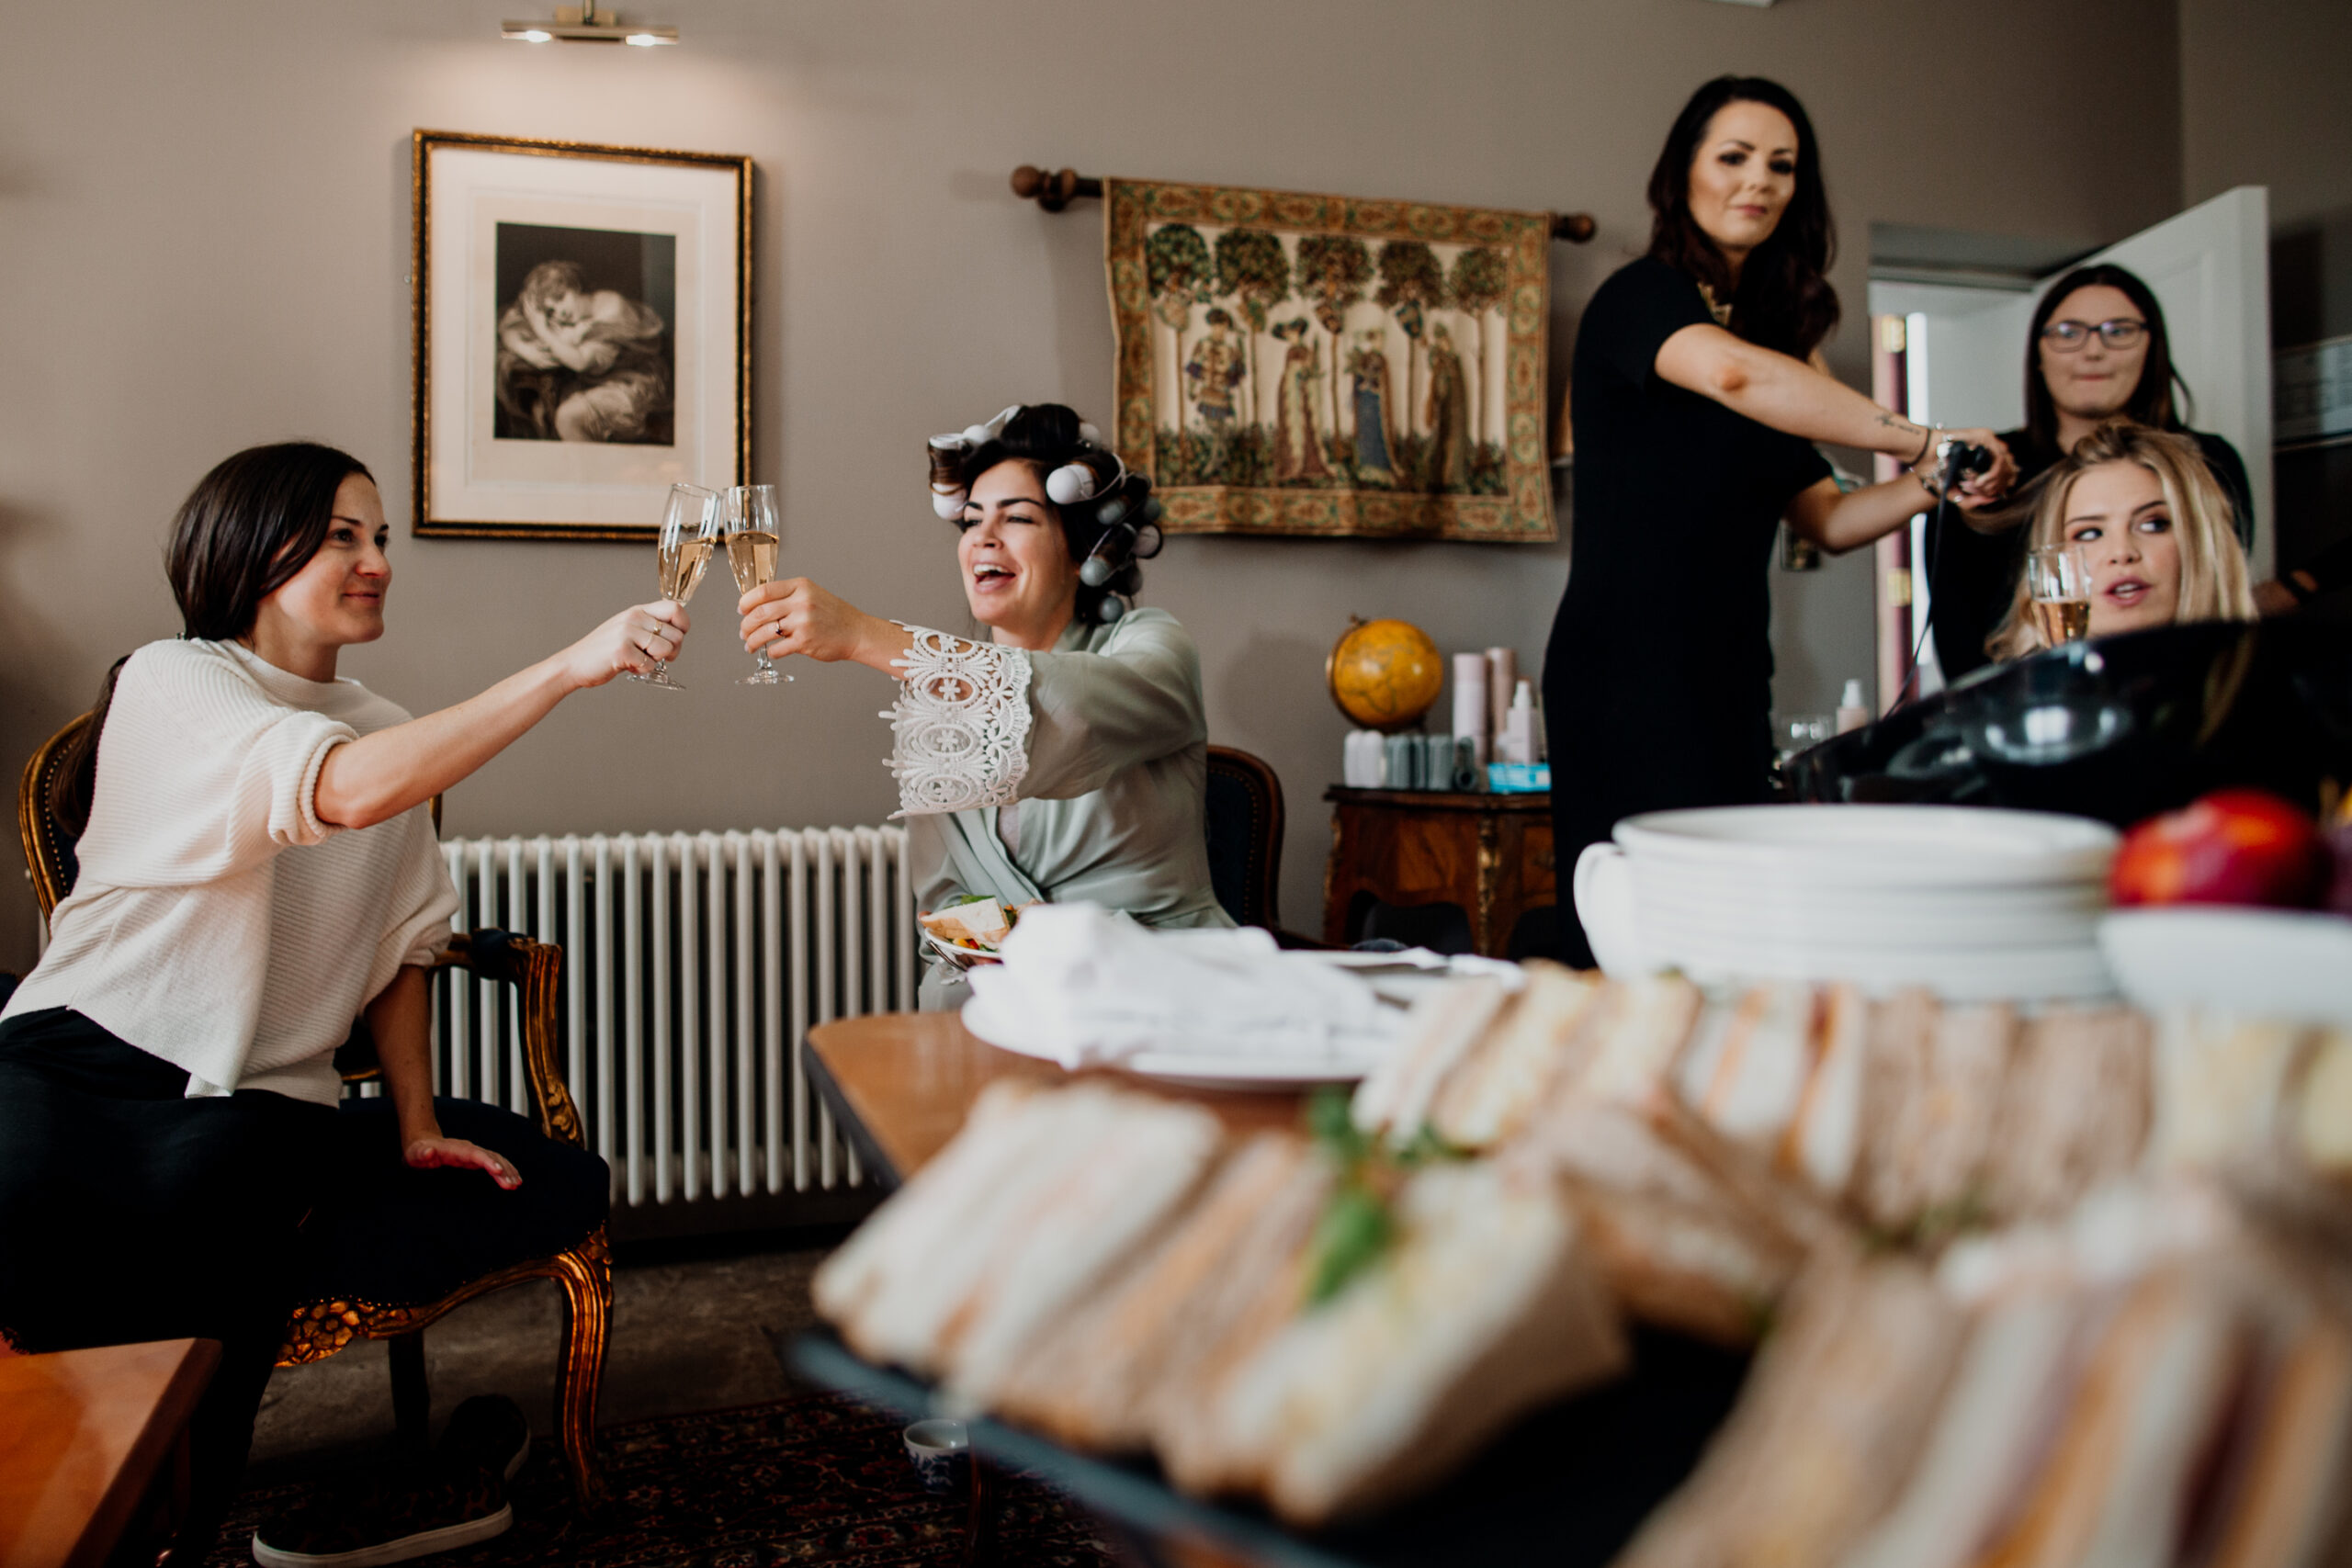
x=941, y=1454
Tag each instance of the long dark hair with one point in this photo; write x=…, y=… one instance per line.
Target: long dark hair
x=1045, y=436
x=245, y=529
x=1783, y=300
x=2151, y=401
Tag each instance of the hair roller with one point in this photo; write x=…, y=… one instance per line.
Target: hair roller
x=1069, y=484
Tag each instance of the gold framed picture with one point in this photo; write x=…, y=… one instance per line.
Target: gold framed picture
x=582, y=333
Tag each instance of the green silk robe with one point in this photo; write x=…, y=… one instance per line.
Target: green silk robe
x=1097, y=750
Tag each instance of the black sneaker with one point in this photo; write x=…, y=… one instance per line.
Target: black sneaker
x=414, y=1513
x=488, y=1430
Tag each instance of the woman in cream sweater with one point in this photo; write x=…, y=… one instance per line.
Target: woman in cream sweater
x=258, y=868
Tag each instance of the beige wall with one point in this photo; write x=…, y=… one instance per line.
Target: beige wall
x=203, y=245
x=2266, y=99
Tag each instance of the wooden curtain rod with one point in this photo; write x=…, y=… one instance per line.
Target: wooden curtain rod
x=1057, y=189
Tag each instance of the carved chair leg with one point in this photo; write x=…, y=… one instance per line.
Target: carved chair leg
x=586, y=1275
x=411, y=1396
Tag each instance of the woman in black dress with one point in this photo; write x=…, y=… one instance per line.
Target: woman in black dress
x=1695, y=413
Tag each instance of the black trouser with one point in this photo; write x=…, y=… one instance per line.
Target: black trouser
x=130, y=1213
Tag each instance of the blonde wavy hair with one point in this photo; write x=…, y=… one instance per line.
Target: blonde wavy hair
x=2214, y=583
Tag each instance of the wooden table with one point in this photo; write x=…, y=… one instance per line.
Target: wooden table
x=86, y=1435
x=1489, y=855
x=901, y=1084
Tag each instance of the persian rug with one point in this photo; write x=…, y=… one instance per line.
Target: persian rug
x=1318, y=365
x=808, y=1479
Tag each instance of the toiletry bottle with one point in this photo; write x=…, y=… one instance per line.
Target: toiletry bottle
x=1519, y=728
x=1853, y=709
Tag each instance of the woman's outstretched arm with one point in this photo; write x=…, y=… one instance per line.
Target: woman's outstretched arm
x=376, y=777
x=399, y=1020
x=1793, y=396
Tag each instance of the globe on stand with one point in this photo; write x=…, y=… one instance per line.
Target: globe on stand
x=1384, y=674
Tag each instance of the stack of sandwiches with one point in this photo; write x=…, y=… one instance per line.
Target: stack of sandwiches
x=1108, y=1267
x=2146, y=1384
x=1715, y=1147
x=2014, y=1319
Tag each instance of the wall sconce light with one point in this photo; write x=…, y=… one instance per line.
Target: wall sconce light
x=586, y=24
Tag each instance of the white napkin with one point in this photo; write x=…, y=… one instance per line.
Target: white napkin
x=1083, y=986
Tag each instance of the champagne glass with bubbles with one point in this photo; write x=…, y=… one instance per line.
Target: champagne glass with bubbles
x=2058, y=583
x=684, y=546
x=748, y=522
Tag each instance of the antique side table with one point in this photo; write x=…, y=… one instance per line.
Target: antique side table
x=1489, y=855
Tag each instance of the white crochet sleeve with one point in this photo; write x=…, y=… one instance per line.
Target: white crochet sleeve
x=960, y=727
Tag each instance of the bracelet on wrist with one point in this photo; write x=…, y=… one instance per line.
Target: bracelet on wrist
x=1927, y=444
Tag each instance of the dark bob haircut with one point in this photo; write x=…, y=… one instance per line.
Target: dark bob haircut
x=247, y=528
x=1783, y=301
x=1045, y=438
x=2151, y=401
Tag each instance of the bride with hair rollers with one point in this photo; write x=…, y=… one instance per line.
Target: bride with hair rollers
x=1067, y=758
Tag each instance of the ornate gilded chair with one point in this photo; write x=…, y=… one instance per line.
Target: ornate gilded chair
x=397, y=1249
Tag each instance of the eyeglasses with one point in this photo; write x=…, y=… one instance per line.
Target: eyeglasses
x=2064, y=337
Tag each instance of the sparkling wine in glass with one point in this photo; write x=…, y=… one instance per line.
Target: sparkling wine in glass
x=2058, y=579
x=684, y=546
x=748, y=521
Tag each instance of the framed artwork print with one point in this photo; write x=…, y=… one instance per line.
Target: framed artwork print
x=582, y=320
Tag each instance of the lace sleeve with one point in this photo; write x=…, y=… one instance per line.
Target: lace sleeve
x=960, y=727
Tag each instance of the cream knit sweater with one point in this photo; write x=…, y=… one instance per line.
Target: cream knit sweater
x=217, y=922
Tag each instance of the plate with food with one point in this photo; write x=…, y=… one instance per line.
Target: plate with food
x=970, y=930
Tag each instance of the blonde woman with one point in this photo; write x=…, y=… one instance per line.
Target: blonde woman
x=2156, y=527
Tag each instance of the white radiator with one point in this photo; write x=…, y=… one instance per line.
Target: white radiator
x=694, y=964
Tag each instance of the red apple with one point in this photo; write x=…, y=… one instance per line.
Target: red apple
x=2234, y=846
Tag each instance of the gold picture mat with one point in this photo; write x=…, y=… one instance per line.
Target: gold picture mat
x=729, y=363
x=1227, y=466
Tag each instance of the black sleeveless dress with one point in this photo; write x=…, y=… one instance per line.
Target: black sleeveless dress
x=1658, y=680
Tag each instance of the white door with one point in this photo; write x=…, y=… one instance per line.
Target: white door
x=2210, y=269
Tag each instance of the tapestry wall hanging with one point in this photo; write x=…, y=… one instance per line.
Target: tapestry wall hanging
x=1315, y=365
x=583, y=334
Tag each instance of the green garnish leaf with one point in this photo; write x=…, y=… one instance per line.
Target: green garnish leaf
x=1427, y=1146
x=1355, y=1229
x=1332, y=1123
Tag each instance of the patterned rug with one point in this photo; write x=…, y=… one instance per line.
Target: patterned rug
x=810, y=1480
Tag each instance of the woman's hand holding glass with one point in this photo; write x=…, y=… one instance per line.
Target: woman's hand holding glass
x=793, y=614
x=637, y=642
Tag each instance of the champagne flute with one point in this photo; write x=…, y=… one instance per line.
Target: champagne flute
x=748, y=521
x=2058, y=581
x=684, y=547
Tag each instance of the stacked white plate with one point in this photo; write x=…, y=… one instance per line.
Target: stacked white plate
x=1973, y=904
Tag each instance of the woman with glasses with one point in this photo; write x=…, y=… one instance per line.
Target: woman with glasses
x=2098, y=350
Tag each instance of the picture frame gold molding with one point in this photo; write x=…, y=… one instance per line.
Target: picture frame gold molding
x=422, y=143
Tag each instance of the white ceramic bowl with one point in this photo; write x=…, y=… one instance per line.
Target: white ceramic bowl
x=2279, y=964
